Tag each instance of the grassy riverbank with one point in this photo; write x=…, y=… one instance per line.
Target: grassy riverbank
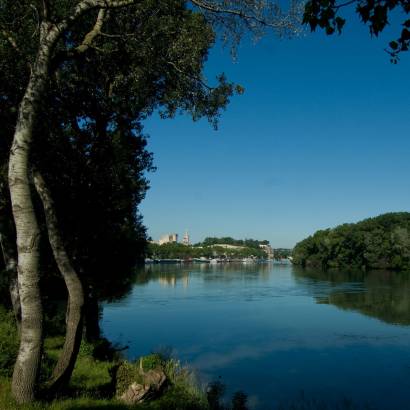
x=91, y=385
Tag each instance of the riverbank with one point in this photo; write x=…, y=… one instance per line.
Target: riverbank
x=93, y=384
x=92, y=387
x=214, y=261
x=102, y=376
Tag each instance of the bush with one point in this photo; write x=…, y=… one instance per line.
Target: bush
x=182, y=391
x=126, y=374
x=8, y=342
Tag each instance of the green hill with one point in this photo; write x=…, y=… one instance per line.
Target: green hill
x=382, y=242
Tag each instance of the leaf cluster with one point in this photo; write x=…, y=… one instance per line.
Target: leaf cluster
x=374, y=13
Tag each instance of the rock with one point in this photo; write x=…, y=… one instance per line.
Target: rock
x=150, y=386
x=136, y=393
x=155, y=378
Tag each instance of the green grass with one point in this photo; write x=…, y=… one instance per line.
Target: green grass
x=91, y=385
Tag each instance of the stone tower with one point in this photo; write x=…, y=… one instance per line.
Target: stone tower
x=185, y=239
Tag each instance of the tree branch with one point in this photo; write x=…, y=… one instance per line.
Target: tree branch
x=95, y=31
x=192, y=77
x=8, y=36
x=216, y=8
x=88, y=5
x=347, y=3
x=46, y=10
x=85, y=44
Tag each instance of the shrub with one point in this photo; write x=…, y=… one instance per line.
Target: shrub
x=182, y=391
x=126, y=374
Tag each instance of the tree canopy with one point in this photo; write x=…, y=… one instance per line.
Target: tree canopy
x=90, y=143
x=382, y=242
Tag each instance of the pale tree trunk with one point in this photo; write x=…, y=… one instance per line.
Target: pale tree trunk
x=74, y=326
x=26, y=369
x=7, y=242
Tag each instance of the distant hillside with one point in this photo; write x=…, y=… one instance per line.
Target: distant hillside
x=375, y=243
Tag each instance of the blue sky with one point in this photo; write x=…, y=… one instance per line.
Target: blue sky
x=320, y=137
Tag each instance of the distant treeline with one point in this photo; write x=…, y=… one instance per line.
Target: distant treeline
x=250, y=243
x=282, y=253
x=382, y=242
x=179, y=251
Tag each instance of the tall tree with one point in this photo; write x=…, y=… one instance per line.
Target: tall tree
x=59, y=37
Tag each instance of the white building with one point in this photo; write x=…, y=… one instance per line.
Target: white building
x=268, y=249
x=168, y=238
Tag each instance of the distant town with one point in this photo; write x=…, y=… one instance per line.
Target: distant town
x=168, y=249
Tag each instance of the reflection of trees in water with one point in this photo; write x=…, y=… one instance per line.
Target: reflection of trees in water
x=166, y=275
x=234, y=272
x=171, y=274
x=381, y=294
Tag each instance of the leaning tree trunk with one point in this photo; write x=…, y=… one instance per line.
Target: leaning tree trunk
x=26, y=369
x=7, y=242
x=65, y=365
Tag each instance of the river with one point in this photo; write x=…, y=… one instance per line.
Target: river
x=282, y=335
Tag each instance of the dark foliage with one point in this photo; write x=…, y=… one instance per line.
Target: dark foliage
x=282, y=253
x=375, y=243
x=374, y=13
x=88, y=142
x=8, y=342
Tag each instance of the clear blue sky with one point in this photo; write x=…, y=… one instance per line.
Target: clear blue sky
x=320, y=137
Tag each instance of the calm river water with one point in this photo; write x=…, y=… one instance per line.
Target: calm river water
x=275, y=332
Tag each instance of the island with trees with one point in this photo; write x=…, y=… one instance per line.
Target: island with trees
x=382, y=242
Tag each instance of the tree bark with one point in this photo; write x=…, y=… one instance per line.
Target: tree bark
x=26, y=369
x=74, y=326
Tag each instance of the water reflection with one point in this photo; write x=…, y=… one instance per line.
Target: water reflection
x=273, y=330
x=384, y=295
x=174, y=274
